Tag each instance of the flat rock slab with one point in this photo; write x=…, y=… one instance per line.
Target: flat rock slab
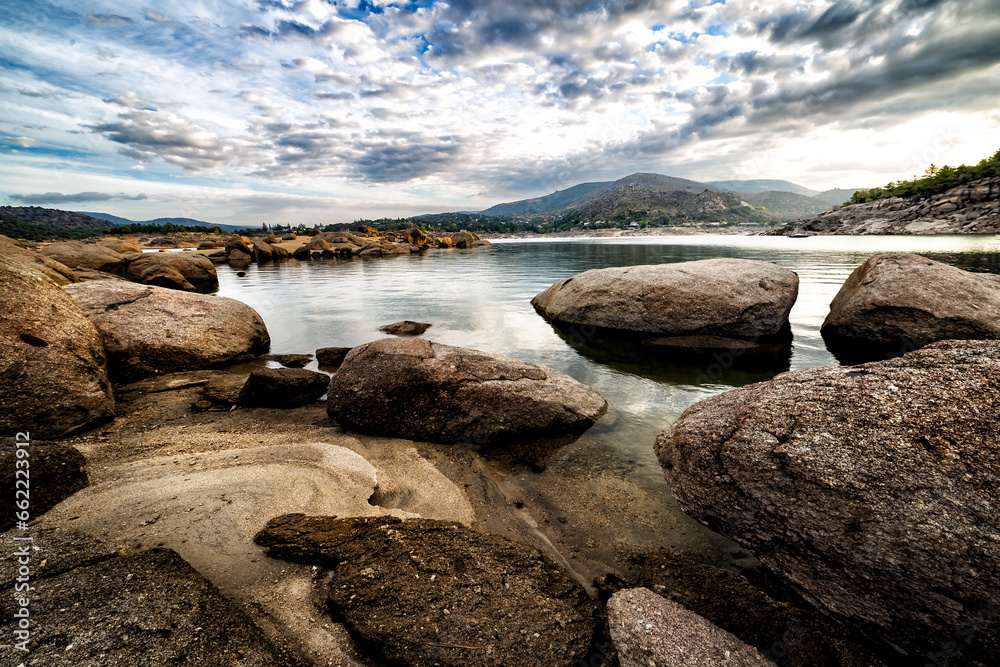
x=872, y=490
x=54, y=473
x=423, y=592
x=405, y=328
x=149, y=330
x=650, y=630
x=413, y=388
x=734, y=298
x=283, y=388
x=77, y=255
x=92, y=606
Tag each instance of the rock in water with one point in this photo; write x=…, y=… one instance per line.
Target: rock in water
x=873, y=490
x=77, y=255
x=405, y=328
x=650, y=630
x=151, y=330
x=57, y=471
x=423, y=592
x=413, y=388
x=186, y=271
x=734, y=298
x=289, y=360
x=53, y=369
x=283, y=388
x=332, y=356
x=898, y=303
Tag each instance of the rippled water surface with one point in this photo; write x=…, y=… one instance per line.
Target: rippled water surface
x=480, y=299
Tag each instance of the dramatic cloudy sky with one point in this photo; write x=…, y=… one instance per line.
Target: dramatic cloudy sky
x=315, y=111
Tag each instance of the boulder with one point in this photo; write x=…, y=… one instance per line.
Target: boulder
x=47, y=268
x=283, y=388
x=332, y=356
x=415, y=236
x=302, y=252
x=278, y=251
x=78, y=255
x=288, y=237
x=405, y=328
x=464, y=239
x=289, y=360
x=224, y=390
x=56, y=472
x=238, y=256
x=262, y=251
x=102, y=607
x=898, y=303
x=650, y=630
x=412, y=388
x=208, y=245
x=424, y=592
x=149, y=330
x=240, y=243
x=872, y=490
x=317, y=244
x=733, y=298
x=122, y=246
x=187, y=271
x=53, y=369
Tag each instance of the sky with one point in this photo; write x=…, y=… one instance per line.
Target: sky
x=278, y=111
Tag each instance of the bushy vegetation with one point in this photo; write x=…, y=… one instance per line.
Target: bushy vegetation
x=168, y=228
x=35, y=223
x=935, y=181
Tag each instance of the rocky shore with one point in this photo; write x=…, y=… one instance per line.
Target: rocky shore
x=195, y=501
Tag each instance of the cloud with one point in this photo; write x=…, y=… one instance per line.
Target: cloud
x=20, y=142
x=110, y=20
x=56, y=198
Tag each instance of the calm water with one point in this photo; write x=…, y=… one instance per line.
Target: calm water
x=480, y=299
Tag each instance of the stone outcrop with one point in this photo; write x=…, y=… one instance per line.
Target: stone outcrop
x=405, y=328
x=413, y=388
x=122, y=246
x=423, y=592
x=873, y=490
x=733, y=298
x=898, y=303
x=53, y=370
x=77, y=255
x=283, y=388
x=186, y=271
x=150, y=330
x=56, y=472
x=55, y=272
x=973, y=208
x=650, y=630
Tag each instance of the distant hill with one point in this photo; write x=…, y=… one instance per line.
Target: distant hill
x=763, y=185
x=547, y=204
x=39, y=224
x=787, y=205
x=837, y=196
x=186, y=222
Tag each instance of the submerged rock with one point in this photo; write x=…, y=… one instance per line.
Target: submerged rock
x=56, y=472
x=53, y=369
x=650, y=630
x=289, y=360
x=733, y=298
x=872, y=490
x=423, y=592
x=150, y=330
x=898, y=303
x=77, y=255
x=332, y=356
x=283, y=388
x=186, y=271
x=413, y=388
x=405, y=328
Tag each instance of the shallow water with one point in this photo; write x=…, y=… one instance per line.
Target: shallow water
x=480, y=299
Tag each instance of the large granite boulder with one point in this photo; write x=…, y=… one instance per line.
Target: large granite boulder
x=733, y=298
x=77, y=255
x=424, y=592
x=53, y=370
x=413, y=388
x=150, y=330
x=122, y=246
x=873, y=490
x=898, y=303
x=650, y=630
x=56, y=472
x=188, y=271
x=45, y=267
x=283, y=388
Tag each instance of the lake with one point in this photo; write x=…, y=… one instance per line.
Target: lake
x=604, y=492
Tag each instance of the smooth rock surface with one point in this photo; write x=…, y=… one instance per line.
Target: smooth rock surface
x=898, y=303
x=186, y=271
x=872, y=490
x=77, y=255
x=423, y=592
x=53, y=368
x=413, y=388
x=734, y=298
x=283, y=388
x=650, y=630
x=150, y=330
x=55, y=272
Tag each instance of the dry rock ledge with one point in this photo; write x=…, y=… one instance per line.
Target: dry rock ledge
x=872, y=490
x=733, y=298
x=413, y=388
x=150, y=330
x=898, y=303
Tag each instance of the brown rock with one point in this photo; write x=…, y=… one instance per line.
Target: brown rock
x=208, y=245
x=42, y=266
x=122, y=246
x=240, y=243
x=289, y=360
x=288, y=237
x=78, y=255
x=463, y=239
x=733, y=298
x=317, y=243
x=150, y=330
x=405, y=328
x=412, y=388
x=56, y=472
x=332, y=356
x=238, y=256
x=872, y=490
x=53, y=370
x=262, y=251
x=187, y=271
x=283, y=388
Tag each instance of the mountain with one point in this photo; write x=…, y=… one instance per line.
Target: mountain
x=186, y=222
x=38, y=224
x=547, y=204
x=787, y=205
x=763, y=185
x=837, y=196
